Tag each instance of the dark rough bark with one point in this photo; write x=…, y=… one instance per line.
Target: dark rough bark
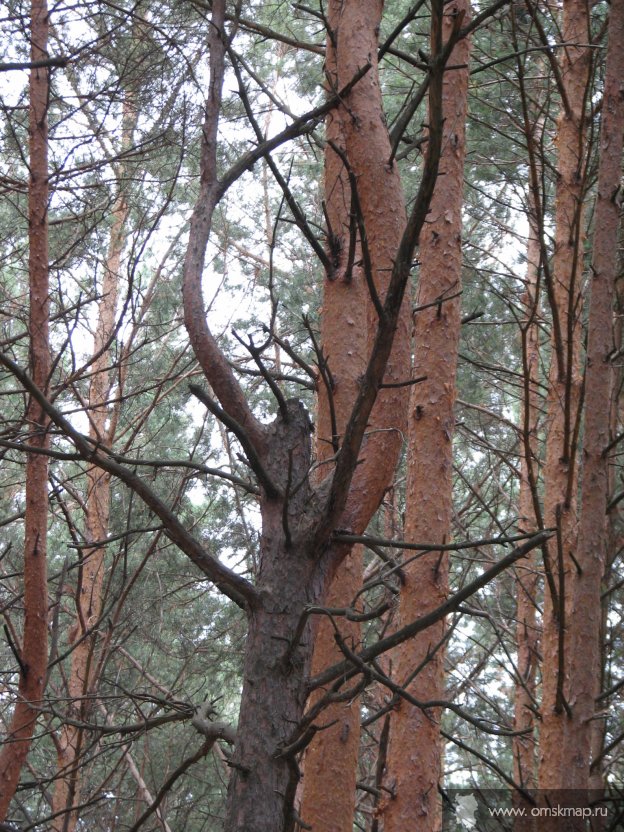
x=264, y=779
x=34, y=648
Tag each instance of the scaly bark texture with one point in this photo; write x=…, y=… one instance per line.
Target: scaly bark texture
x=382, y=207
x=585, y=627
x=560, y=469
x=348, y=320
x=91, y=573
x=34, y=647
x=527, y=632
x=264, y=775
x=415, y=750
x=330, y=763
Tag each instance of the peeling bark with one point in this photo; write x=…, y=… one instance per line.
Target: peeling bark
x=331, y=761
x=330, y=764
x=34, y=647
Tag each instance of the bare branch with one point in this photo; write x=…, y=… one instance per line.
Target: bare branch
x=450, y=605
x=241, y=434
x=237, y=588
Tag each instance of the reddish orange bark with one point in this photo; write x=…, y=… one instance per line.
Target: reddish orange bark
x=91, y=574
x=382, y=204
x=331, y=761
x=585, y=626
x=330, y=764
x=560, y=471
x=348, y=321
x=34, y=648
x=415, y=751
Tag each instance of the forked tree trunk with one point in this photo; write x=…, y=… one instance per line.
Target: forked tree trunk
x=381, y=204
x=415, y=750
x=585, y=625
x=91, y=573
x=330, y=766
x=34, y=648
x=560, y=471
x=297, y=555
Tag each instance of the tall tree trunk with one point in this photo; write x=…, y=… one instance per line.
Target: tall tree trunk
x=560, y=470
x=91, y=573
x=527, y=633
x=331, y=760
x=585, y=627
x=415, y=750
x=34, y=648
x=598, y=768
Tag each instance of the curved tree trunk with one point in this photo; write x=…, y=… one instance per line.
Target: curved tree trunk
x=34, y=648
x=415, y=751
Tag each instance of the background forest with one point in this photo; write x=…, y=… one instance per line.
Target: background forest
x=310, y=414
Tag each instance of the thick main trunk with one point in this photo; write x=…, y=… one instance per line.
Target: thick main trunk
x=34, y=648
x=415, y=750
x=277, y=657
x=560, y=470
x=263, y=782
